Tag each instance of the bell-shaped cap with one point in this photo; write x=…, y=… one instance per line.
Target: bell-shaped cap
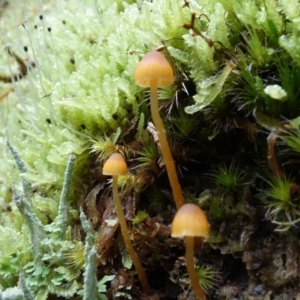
x=190, y=220
x=154, y=67
x=115, y=165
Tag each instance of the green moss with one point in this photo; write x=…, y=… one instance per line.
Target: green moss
x=237, y=72
x=228, y=179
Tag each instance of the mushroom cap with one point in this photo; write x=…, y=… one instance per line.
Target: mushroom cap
x=115, y=165
x=190, y=220
x=154, y=67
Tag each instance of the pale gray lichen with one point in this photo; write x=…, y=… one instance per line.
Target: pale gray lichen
x=12, y=294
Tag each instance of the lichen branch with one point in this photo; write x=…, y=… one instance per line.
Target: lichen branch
x=90, y=276
x=62, y=218
x=26, y=184
x=36, y=229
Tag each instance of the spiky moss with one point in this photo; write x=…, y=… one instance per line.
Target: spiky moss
x=228, y=179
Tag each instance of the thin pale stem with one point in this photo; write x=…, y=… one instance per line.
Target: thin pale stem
x=165, y=149
x=191, y=268
x=121, y=217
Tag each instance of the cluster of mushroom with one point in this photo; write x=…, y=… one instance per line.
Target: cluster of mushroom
x=190, y=221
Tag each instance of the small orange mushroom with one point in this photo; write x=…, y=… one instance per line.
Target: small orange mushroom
x=115, y=166
x=189, y=222
x=155, y=71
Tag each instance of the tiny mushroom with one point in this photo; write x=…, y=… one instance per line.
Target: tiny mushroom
x=155, y=71
x=115, y=166
x=189, y=222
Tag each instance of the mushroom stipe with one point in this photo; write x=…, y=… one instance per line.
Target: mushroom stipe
x=155, y=71
x=115, y=166
x=189, y=222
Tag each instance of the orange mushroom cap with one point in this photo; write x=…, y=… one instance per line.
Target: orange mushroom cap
x=190, y=220
x=115, y=165
x=154, y=67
